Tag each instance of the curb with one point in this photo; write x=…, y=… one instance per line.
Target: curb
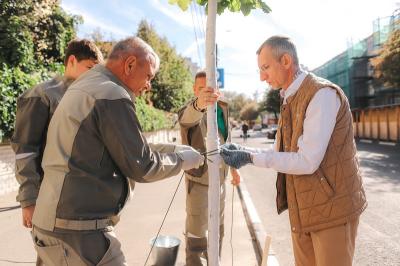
x=255, y=226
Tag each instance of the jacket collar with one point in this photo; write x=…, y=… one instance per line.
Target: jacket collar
x=105, y=71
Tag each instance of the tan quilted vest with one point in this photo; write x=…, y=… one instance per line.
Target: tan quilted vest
x=333, y=194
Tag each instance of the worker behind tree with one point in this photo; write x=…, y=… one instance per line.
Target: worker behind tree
x=193, y=122
x=35, y=108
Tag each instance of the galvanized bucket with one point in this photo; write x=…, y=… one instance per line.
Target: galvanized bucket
x=165, y=251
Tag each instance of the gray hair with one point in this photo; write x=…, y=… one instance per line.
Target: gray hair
x=134, y=46
x=281, y=45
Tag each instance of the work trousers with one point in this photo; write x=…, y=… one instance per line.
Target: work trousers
x=329, y=247
x=197, y=222
x=86, y=248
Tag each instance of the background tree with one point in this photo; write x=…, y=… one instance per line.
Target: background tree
x=172, y=85
x=387, y=64
x=236, y=102
x=33, y=37
x=36, y=32
x=271, y=102
x=105, y=44
x=249, y=112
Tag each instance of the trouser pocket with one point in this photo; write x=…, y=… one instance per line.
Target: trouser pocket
x=50, y=254
x=113, y=255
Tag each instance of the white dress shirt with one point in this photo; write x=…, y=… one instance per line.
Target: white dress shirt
x=319, y=122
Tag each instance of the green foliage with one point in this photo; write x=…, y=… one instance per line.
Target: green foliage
x=150, y=118
x=33, y=36
x=387, y=64
x=16, y=43
x=172, y=85
x=271, y=102
x=52, y=31
x=35, y=32
x=245, y=6
x=13, y=82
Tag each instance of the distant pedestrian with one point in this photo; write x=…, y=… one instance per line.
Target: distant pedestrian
x=245, y=128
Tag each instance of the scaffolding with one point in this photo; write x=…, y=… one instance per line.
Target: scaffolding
x=352, y=71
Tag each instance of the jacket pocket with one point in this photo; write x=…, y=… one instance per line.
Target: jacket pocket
x=326, y=187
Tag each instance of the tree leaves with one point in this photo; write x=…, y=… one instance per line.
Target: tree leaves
x=271, y=102
x=33, y=37
x=172, y=85
x=245, y=6
x=183, y=4
x=387, y=64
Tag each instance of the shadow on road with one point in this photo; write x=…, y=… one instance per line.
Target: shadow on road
x=382, y=164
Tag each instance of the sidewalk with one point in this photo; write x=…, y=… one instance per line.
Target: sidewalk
x=139, y=223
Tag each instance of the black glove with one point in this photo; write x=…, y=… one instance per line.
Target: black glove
x=236, y=158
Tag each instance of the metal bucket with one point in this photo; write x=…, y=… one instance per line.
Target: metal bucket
x=165, y=251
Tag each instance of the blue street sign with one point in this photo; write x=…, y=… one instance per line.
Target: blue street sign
x=220, y=78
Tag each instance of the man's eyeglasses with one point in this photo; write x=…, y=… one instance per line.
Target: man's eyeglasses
x=263, y=68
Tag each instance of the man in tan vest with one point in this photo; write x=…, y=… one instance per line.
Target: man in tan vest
x=315, y=156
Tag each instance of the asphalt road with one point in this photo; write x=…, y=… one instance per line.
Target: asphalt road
x=378, y=241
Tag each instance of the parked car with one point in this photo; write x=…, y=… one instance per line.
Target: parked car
x=257, y=127
x=271, y=131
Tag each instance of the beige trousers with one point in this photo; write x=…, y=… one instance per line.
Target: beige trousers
x=78, y=248
x=329, y=247
x=197, y=222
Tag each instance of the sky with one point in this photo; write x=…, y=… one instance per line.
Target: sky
x=321, y=29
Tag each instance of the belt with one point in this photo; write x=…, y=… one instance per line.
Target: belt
x=82, y=225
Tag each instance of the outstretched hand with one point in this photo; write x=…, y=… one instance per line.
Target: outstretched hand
x=236, y=158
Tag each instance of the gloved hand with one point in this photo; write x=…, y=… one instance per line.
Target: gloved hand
x=179, y=148
x=237, y=147
x=190, y=159
x=232, y=146
x=236, y=158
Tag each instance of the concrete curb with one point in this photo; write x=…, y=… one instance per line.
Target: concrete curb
x=255, y=226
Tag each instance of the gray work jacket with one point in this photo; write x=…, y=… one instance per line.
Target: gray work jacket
x=193, y=125
x=94, y=144
x=35, y=107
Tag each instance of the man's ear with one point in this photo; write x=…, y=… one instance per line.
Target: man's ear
x=286, y=61
x=71, y=61
x=130, y=64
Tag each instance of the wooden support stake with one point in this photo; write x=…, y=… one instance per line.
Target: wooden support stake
x=264, y=261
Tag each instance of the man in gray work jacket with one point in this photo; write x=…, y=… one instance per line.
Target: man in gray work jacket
x=94, y=144
x=35, y=108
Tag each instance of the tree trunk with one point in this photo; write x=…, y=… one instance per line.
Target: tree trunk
x=212, y=141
